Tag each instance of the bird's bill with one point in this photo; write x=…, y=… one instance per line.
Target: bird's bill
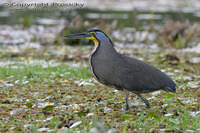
x=79, y=36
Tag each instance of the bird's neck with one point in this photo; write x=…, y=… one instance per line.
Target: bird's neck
x=95, y=43
x=104, y=50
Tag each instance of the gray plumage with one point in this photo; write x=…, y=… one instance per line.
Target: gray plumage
x=123, y=72
x=114, y=69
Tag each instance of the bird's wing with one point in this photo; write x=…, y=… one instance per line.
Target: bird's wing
x=138, y=76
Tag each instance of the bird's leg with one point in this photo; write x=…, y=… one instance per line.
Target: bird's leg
x=127, y=95
x=145, y=100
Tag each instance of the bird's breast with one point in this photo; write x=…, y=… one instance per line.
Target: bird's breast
x=90, y=58
x=104, y=69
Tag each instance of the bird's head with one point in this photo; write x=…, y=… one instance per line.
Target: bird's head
x=94, y=35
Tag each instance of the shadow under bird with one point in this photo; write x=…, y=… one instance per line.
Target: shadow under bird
x=122, y=72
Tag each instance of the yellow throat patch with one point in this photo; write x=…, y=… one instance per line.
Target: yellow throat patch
x=94, y=40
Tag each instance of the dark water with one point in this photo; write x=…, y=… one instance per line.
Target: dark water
x=135, y=17
x=125, y=18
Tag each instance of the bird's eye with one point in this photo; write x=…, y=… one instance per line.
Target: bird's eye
x=92, y=33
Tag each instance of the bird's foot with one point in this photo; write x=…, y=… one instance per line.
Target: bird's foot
x=127, y=108
x=148, y=106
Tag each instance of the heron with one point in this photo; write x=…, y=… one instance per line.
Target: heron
x=123, y=72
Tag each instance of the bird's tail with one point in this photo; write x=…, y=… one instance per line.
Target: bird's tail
x=170, y=88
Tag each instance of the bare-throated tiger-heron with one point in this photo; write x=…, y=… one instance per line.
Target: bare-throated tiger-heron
x=122, y=72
